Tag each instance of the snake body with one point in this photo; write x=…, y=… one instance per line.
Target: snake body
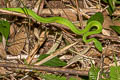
x=85, y=32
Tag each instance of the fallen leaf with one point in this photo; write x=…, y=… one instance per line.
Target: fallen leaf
x=18, y=43
x=69, y=15
x=116, y=23
x=2, y=51
x=107, y=22
x=106, y=32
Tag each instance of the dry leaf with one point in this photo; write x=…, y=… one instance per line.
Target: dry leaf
x=18, y=43
x=106, y=32
x=107, y=22
x=107, y=61
x=12, y=30
x=36, y=32
x=69, y=15
x=3, y=71
x=116, y=22
x=2, y=51
x=41, y=40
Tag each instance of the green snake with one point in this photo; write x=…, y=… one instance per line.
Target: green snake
x=85, y=32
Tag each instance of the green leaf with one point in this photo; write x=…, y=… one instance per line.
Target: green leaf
x=110, y=10
x=117, y=2
x=111, y=4
x=93, y=72
x=96, y=17
x=4, y=29
x=106, y=1
x=115, y=73
x=98, y=45
x=116, y=29
x=53, y=62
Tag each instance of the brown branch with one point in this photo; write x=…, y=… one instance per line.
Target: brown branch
x=45, y=68
x=112, y=38
x=12, y=13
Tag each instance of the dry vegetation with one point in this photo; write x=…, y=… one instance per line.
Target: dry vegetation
x=28, y=39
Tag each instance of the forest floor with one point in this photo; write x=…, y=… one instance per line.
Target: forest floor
x=51, y=51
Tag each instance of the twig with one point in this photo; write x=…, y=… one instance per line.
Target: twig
x=79, y=15
x=39, y=6
x=49, y=7
x=56, y=53
x=44, y=68
x=112, y=38
x=12, y=13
